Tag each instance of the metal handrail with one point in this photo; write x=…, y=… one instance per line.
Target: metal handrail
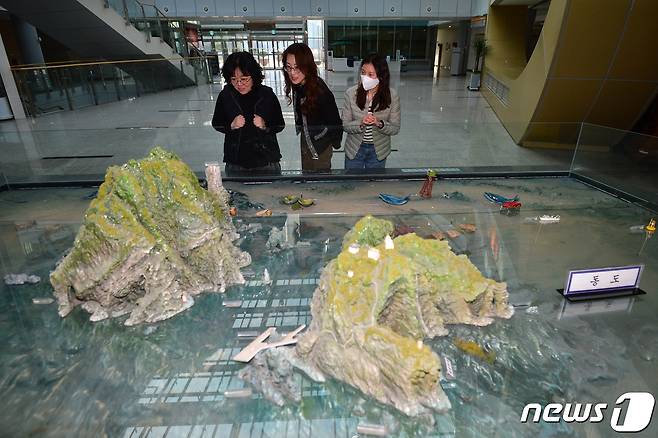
x=125, y=61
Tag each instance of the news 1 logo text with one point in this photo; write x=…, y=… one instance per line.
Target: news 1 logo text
x=632, y=412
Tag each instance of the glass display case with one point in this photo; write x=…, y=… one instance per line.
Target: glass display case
x=72, y=377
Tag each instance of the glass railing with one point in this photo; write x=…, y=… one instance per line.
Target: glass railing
x=622, y=162
x=151, y=21
x=184, y=127
x=62, y=87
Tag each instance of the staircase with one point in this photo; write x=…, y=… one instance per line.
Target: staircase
x=106, y=29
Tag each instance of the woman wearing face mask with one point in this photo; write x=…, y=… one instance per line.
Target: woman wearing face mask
x=317, y=120
x=249, y=115
x=371, y=115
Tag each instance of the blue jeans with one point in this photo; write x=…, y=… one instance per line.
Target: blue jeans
x=365, y=158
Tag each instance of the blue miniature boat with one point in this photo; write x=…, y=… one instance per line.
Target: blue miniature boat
x=393, y=200
x=498, y=199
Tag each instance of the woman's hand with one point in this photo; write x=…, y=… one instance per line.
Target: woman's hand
x=368, y=119
x=259, y=122
x=238, y=122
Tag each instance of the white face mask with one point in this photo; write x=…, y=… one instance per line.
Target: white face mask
x=368, y=82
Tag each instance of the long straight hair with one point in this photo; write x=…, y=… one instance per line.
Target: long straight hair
x=306, y=64
x=382, y=99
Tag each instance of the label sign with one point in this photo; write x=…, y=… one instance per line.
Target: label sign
x=589, y=281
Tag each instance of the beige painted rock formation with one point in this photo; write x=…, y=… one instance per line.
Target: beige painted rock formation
x=378, y=301
x=150, y=241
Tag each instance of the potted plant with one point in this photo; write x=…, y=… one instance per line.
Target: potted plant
x=480, y=46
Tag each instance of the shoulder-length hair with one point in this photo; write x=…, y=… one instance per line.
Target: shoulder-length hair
x=247, y=65
x=306, y=64
x=382, y=99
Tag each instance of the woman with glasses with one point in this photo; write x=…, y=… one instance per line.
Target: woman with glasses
x=249, y=115
x=317, y=120
x=371, y=115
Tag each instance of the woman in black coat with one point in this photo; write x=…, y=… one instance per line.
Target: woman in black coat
x=249, y=115
x=317, y=120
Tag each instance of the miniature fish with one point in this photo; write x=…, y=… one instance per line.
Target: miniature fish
x=393, y=200
x=498, y=199
x=474, y=349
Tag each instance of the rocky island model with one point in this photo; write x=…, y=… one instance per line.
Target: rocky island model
x=375, y=304
x=151, y=240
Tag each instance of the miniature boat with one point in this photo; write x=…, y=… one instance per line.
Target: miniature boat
x=548, y=219
x=510, y=204
x=305, y=202
x=289, y=199
x=259, y=344
x=393, y=200
x=498, y=199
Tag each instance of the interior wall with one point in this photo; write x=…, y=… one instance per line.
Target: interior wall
x=506, y=38
x=447, y=37
x=595, y=62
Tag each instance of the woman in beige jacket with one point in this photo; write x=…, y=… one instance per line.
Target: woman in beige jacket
x=371, y=115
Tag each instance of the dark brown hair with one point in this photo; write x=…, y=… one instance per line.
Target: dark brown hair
x=306, y=64
x=247, y=65
x=382, y=99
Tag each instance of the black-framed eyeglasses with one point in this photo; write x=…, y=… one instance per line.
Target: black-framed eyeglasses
x=241, y=81
x=291, y=69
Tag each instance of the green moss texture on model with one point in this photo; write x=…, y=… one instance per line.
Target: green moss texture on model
x=150, y=241
x=375, y=305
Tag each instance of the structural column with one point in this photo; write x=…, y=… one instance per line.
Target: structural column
x=28, y=39
x=10, y=84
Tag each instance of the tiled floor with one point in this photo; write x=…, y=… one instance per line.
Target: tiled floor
x=443, y=125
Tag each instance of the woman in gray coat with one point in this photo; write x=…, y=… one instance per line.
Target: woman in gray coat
x=371, y=115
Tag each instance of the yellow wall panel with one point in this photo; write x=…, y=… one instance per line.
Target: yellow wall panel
x=566, y=100
x=638, y=53
x=620, y=103
x=590, y=37
x=506, y=31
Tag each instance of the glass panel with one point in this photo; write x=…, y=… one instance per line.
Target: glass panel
x=419, y=43
x=103, y=81
x=440, y=127
x=170, y=378
x=316, y=41
x=353, y=40
x=403, y=39
x=78, y=87
x=71, y=87
x=451, y=148
x=369, y=32
x=386, y=34
x=337, y=41
x=621, y=160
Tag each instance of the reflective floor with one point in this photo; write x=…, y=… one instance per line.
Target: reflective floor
x=70, y=377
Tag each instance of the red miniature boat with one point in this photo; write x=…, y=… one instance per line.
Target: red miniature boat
x=511, y=204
